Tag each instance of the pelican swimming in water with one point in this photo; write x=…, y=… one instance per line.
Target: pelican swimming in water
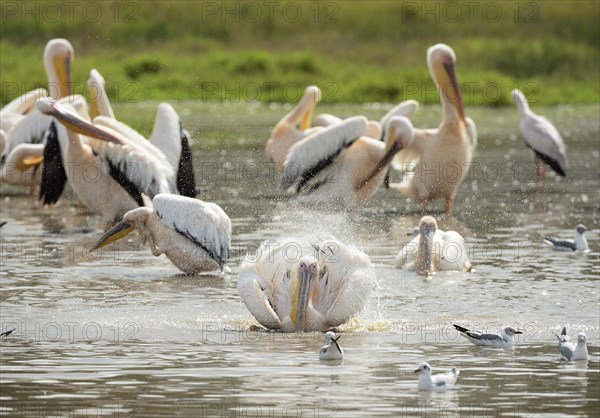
x=108, y=179
x=503, y=340
x=322, y=288
x=433, y=250
x=570, y=352
x=169, y=141
x=578, y=244
x=543, y=138
x=337, y=166
x=438, y=159
x=293, y=127
x=25, y=126
x=194, y=235
x=437, y=383
x=332, y=349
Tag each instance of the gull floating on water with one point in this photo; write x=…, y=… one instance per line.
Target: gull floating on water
x=331, y=350
x=439, y=382
x=568, y=351
x=578, y=244
x=506, y=339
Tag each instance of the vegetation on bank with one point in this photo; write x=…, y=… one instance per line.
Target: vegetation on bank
x=268, y=51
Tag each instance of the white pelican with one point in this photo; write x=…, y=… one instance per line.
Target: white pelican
x=338, y=167
x=194, y=235
x=292, y=127
x=440, y=158
x=108, y=179
x=437, y=383
x=168, y=137
x=323, y=287
x=332, y=350
x=434, y=250
x=503, y=340
x=568, y=351
x=23, y=124
x=543, y=138
x=578, y=244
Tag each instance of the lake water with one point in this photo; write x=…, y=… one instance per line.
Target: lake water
x=123, y=333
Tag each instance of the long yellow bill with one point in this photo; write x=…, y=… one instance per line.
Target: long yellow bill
x=120, y=230
x=29, y=162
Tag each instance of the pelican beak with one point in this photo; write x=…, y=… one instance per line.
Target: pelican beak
x=62, y=66
x=454, y=90
x=304, y=291
x=29, y=162
x=94, y=98
x=115, y=233
x=391, y=149
x=76, y=123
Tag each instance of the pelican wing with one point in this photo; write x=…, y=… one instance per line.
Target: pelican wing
x=541, y=135
x=257, y=297
x=137, y=166
x=327, y=119
x=16, y=109
x=346, y=279
x=314, y=152
x=454, y=255
x=169, y=136
x=54, y=176
x=31, y=129
x=203, y=223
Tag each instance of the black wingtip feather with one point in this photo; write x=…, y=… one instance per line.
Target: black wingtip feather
x=54, y=177
x=186, y=182
x=552, y=163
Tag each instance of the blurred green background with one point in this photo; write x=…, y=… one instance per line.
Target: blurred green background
x=356, y=51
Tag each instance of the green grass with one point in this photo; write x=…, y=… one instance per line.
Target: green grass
x=355, y=51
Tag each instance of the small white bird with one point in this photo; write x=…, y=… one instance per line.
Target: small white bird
x=331, y=350
x=506, y=339
x=437, y=383
x=568, y=351
x=578, y=244
x=542, y=137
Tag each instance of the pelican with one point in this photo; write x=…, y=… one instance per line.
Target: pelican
x=22, y=122
x=194, y=235
x=337, y=166
x=578, y=244
x=170, y=141
x=543, y=138
x=108, y=179
x=433, y=250
x=322, y=288
x=440, y=158
x=437, y=383
x=332, y=349
x=568, y=351
x=292, y=127
x=503, y=340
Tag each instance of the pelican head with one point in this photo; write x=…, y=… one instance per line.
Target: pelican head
x=424, y=368
x=301, y=115
x=58, y=55
x=581, y=338
x=96, y=91
x=520, y=100
x=427, y=228
x=510, y=331
x=441, y=61
x=398, y=134
x=580, y=229
x=308, y=269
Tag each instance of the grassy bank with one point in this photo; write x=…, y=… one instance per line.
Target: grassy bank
x=268, y=51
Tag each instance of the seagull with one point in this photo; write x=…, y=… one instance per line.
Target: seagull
x=578, y=244
x=331, y=350
x=490, y=340
x=439, y=382
x=568, y=351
